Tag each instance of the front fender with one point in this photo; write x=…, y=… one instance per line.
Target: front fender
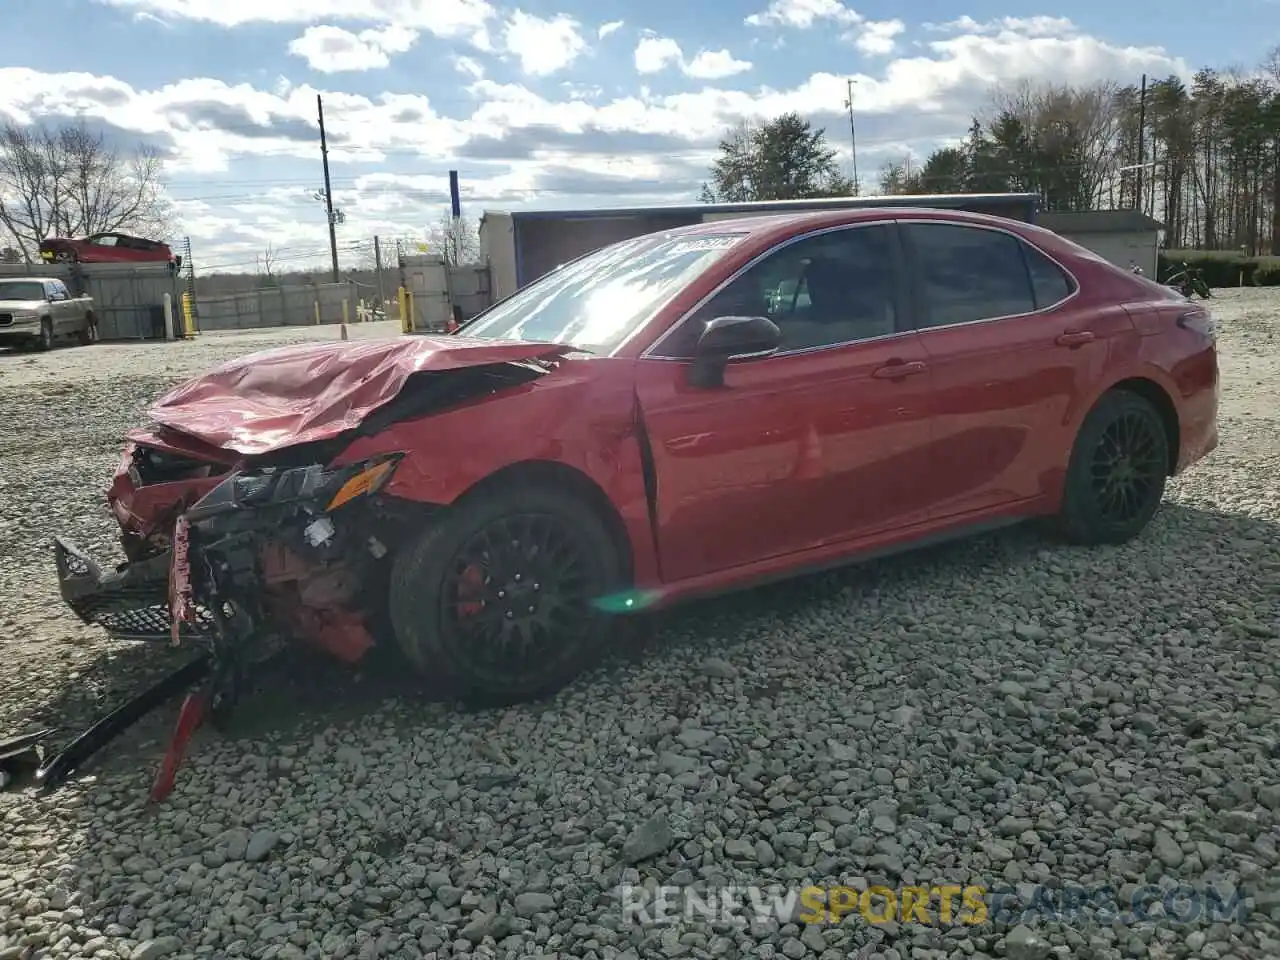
x=581, y=416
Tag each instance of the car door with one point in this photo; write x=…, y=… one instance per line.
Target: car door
x=101, y=248
x=58, y=295
x=1010, y=348
x=808, y=446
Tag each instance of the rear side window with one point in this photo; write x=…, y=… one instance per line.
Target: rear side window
x=1048, y=281
x=967, y=274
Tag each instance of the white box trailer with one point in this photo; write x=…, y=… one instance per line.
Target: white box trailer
x=521, y=246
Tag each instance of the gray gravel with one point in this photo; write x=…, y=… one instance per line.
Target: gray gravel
x=1001, y=712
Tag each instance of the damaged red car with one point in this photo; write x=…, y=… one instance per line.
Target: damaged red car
x=679, y=414
x=107, y=248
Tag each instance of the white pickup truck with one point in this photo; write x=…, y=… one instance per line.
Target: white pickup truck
x=35, y=311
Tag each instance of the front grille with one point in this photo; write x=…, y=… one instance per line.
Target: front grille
x=6, y=319
x=144, y=623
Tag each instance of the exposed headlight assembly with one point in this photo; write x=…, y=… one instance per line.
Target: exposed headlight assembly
x=327, y=488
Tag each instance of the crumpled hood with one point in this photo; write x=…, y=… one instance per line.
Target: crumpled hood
x=279, y=398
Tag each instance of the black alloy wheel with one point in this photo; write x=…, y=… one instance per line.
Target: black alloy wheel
x=497, y=597
x=1128, y=465
x=517, y=589
x=1116, y=477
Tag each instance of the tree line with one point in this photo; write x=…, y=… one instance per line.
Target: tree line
x=1203, y=158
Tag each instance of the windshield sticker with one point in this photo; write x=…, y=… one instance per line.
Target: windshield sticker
x=698, y=244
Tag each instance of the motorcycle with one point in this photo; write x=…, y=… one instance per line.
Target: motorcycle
x=1188, y=281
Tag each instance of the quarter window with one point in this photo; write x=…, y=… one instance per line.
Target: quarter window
x=967, y=274
x=1048, y=281
x=824, y=290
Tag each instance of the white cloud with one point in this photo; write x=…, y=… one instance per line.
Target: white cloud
x=875, y=37
x=715, y=65
x=571, y=146
x=613, y=26
x=871, y=37
x=803, y=14
x=1038, y=26
x=469, y=66
x=543, y=46
x=654, y=54
x=330, y=49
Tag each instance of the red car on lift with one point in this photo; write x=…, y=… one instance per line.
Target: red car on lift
x=107, y=248
x=674, y=415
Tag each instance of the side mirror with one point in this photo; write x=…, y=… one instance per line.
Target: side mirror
x=728, y=340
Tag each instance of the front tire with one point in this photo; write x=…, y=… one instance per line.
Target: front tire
x=497, y=597
x=1116, y=477
x=45, y=343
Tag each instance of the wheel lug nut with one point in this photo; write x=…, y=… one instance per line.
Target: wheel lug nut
x=537, y=586
x=517, y=578
x=502, y=594
x=531, y=608
x=510, y=614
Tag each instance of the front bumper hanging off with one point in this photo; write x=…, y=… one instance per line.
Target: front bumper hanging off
x=130, y=602
x=212, y=585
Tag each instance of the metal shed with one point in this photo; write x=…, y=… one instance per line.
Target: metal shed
x=521, y=246
x=1119, y=236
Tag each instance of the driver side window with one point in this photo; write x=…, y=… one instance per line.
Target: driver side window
x=824, y=290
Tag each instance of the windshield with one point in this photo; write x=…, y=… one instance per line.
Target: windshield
x=21, y=290
x=595, y=302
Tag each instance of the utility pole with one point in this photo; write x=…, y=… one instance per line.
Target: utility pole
x=328, y=190
x=377, y=265
x=1142, y=139
x=853, y=135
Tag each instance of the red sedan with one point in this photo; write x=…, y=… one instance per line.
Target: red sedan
x=107, y=248
x=679, y=414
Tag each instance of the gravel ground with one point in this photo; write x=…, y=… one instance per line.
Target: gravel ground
x=1001, y=712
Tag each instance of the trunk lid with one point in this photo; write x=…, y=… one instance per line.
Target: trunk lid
x=272, y=399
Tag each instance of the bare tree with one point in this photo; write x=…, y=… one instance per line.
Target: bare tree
x=69, y=182
x=1064, y=124
x=269, y=259
x=458, y=241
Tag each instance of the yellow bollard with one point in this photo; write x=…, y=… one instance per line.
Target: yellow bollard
x=317, y=313
x=405, y=325
x=188, y=316
x=346, y=311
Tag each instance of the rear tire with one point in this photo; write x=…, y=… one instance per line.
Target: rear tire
x=496, y=597
x=88, y=336
x=45, y=343
x=1116, y=477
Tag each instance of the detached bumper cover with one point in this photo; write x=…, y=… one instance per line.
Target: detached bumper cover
x=130, y=603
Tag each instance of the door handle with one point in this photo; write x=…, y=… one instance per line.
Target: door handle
x=1074, y=338
x=894, y=371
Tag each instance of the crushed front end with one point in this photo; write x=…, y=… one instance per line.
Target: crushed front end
x=236, y=558
x=291, y=548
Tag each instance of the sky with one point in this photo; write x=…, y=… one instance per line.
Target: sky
x=545, y=104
